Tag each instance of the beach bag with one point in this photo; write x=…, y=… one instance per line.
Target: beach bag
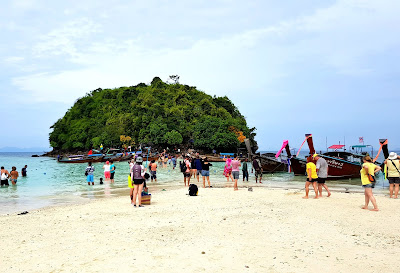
x=193, y=190
x=183, y=167
x=371, y=178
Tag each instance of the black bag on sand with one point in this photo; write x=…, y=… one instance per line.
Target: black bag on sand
x=193, y=190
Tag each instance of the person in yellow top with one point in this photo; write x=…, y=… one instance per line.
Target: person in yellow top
x=312, y=177
x=369, y=168
x=392, y=166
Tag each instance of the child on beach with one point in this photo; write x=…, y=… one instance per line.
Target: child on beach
x=312, y=177
x=369, y=169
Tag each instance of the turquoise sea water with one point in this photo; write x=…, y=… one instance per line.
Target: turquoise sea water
x=51, y=183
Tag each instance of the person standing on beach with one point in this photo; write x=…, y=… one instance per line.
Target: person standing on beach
x=228, y=168
x=312, y=177
x=14, y=175
x=173, y=159
x=23, y=171
x=245, y=170
x=90, y=177
x=257, y=168
x=186, y=170
x=369, y=169
x=198, y=166
x=235, y=171
x=193, y=169
x=4, y=174
x=138, y=172
x=205, y=171
x=107, y=171
x=322, y=172
x=112, y=171
x=393, y=173
x=153, y=170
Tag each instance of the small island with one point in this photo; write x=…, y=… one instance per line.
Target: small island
x=159, y=115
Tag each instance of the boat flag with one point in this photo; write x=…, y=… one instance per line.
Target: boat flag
x=361, y=139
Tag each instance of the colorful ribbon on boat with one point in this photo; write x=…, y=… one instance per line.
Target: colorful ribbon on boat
x=380, y=149
x=285, y=142
x=303, y=144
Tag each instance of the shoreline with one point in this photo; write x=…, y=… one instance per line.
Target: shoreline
x=264, y=230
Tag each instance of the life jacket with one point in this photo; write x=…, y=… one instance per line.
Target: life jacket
x=137, y=170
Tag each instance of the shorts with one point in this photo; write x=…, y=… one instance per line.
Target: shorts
x=394, y=180
x=90, y=178
x=186, y=174
x=370, y=185
x=138, y=181
x=107, y=175
x=112, y=175
x=258, y=173
x=205, y=173
x=199, y=172
x=153, y=174
x=5, y=182
x=321, y=180
x=312, y=180
x=235, y=174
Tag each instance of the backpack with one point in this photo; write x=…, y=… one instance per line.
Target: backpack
x=137, y=170
x=183, y=167
x=193, y=190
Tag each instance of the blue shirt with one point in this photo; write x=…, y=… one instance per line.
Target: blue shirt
x=197, y=163
x=173, y=160
x=111, y=168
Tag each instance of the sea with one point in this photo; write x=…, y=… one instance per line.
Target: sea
x=50, y=183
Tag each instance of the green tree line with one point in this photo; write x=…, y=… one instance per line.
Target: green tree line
x=159, y=114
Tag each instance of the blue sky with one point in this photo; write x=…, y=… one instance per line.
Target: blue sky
x=330, y=68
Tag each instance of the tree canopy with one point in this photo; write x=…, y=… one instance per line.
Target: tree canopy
x=158, y=114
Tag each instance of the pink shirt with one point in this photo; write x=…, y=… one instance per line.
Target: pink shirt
x=235, y=165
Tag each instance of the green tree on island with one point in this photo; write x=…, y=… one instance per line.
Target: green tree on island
x=159, y=114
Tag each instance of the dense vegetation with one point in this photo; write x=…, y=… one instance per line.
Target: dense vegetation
x=160, y=114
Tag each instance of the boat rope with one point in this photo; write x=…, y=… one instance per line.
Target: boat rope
x=303, y=144
x=380, y=149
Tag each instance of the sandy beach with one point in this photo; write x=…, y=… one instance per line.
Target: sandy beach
x=266, y=230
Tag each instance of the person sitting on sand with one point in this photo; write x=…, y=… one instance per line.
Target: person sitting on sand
x=322, y=172
x=369, y=169
x=393, y=173
x=312, y=177
x=14, y=175
x=4, y=176
x=235, y=171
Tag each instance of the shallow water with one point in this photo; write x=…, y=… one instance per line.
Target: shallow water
x=51, y=183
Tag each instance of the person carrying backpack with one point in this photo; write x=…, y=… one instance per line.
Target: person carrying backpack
x=393, y=173
x=137, y=174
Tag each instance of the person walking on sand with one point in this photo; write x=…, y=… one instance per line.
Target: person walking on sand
x=393, y=173
x=90, y=177
x=138, y=172
x=112, y=171
x=107, y=171
x=368, y=172
x=235, y=171
x=257, y=168
x=312, y=177
x=322, y=172
x=245, y=170
x=205, y=171
x=228, y=168
x=153, y=170
x=23, y=171
x=186, y=171
x=4, y=175
x=14, y=175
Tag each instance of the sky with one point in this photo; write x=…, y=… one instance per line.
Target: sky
x=330, y=68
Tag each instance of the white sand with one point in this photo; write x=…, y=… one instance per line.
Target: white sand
x=220, y=230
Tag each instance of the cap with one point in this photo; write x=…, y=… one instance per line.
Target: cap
x=315, y=155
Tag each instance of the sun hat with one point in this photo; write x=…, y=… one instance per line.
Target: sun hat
x=392, y=155
x=139, y=159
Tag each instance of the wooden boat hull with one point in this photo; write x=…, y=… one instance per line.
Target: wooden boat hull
x=298, y=166
x=272, y=166
x=83, y=160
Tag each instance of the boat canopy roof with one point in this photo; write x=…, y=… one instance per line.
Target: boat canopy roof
x=336, y=147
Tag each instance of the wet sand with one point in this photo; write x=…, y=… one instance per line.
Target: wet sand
x=266, y=230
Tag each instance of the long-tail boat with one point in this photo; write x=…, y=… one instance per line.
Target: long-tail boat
x=269, y=162
x=80, y=158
